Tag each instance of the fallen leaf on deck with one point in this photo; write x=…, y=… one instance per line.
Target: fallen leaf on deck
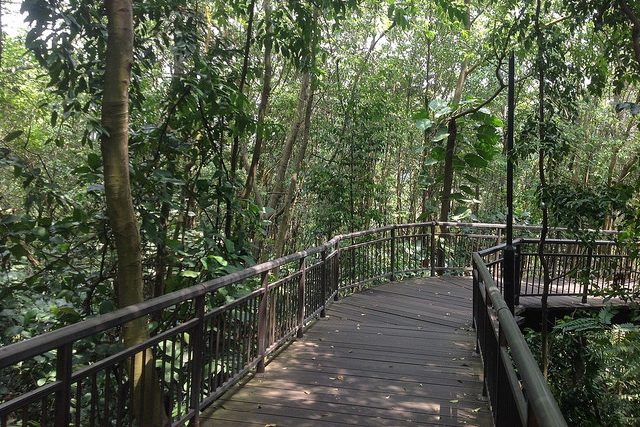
x=307, y=392
x=340, y=377
x=476, y=410
x=454, y=401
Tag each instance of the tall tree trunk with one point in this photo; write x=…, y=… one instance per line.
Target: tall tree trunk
x=445, y=207
x=452, y=128
x=264, y=99
x=426, y=142
x=293, y=184
x=303, y=114
x=544, y=262
x=122, y=218
x=235, y=147
x=292, y=136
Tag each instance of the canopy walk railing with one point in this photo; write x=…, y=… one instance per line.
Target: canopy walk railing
x=577, y=268
x=205, y=338
x=515, y=386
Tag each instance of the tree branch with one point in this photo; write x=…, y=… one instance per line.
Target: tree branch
x=635, y=32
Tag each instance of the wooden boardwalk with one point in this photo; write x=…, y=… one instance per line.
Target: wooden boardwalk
x=400, y=354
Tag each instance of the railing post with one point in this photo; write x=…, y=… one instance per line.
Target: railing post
x=301, y=289
x=532, y=420
x=263, y=328
x=587, y=278
x=517, y=274
x=64, y=366
x=474, y=302
x=337, y=272
x=393, y=253
x=353, y=263
x=506, y=410
x=432, y=255
x=508, y=271
x=486, y=329
x=198, y=351
x=323, y=282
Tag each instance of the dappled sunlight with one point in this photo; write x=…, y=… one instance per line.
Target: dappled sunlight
x=368, y=367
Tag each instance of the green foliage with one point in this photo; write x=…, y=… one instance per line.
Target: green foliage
x=594, y=370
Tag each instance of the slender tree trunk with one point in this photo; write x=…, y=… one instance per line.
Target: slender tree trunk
x=122, y=218
x=544, y=262
x=292, y=136
x=447, y=185
x=451, y=139
x=235, y=147
x=264, y=100
x=306, y=100
x=426, y=143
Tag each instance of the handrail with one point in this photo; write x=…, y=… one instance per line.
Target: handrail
x=244, y=331
x=67, y=334
x=542, y=404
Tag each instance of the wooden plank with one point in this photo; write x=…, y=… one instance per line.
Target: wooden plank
x=335, y=411
x=399, y=354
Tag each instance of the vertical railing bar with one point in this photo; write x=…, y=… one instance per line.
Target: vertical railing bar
x=301, y=289
x=393, y=253
x=63, y=394
x=263, y=327
x=143, y=355
x=323, y=282
x=196, y=369
x=587, y=275
x=78, y=401
x=432, y=255
x=338, y=270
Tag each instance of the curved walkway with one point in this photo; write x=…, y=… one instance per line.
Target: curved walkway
x=400, y=354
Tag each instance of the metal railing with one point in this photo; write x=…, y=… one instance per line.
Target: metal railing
x=205, y=338
x=513, y=381
x=517, y=391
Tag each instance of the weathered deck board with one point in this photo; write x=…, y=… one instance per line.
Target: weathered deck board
x=399, y=354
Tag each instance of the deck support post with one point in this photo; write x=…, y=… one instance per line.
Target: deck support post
x=323, y=282
x=263, y=328
x=432, y=254
x=301, y=291
x=198, y=350
x=393, y=253
x=64, y=356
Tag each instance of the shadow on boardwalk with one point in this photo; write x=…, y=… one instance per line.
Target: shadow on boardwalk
x=399, y=354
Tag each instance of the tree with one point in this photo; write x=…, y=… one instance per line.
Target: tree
x=122, y=217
